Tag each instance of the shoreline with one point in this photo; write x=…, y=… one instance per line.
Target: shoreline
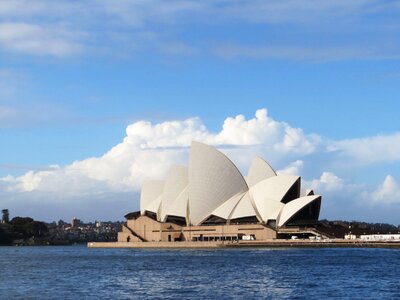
x=336, y=243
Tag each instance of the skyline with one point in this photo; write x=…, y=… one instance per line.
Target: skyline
x=310, y=86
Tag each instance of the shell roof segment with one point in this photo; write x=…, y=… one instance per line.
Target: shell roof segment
x=213, y=179
x=259, y=170
x=179, y=207
x=243, y=209
x=268, y=194
x=175, y=183
x=151, y=190
x=226, y=208
x=295, y=206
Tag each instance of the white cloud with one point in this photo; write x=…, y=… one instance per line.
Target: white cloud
x=41, y=40
x=292, y=169
x=386, y=193
x=54, y=28
x=27, y=8
x=327, y=182
x=263, y=130
x=145, y=135
x=369, y=150
x=139, y=12
x=148, y=149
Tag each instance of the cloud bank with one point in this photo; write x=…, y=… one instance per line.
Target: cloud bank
x=64, y=28
x=149, y=149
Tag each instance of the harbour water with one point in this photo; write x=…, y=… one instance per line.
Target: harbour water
x=76, y=272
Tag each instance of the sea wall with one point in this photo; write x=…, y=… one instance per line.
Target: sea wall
x=155, y=245
x=334, y=243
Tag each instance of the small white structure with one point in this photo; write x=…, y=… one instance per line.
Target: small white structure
x=248, y=238
x=380, y=237
x=350, y=237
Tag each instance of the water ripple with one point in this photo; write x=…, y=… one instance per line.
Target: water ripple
x=81, y=273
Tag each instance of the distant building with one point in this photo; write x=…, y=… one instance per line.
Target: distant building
x=6, y=216
x=75, y=223
x=210, y=200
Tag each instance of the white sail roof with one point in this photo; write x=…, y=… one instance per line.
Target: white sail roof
x=213, y=179
x=151, y=190
x=212, y=185
x=155, y=205
x=267, y=195
x=244, y=208
x=226, y=208
x=177, y=180
x=179, y=206
x=293, y=207
x=259, y=170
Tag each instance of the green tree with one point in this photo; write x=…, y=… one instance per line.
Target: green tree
x=27, y=227
x=6, y=236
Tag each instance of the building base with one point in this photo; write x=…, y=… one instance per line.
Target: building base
x=147, y=229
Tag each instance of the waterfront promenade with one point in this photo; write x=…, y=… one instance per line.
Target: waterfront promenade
x=328, y=243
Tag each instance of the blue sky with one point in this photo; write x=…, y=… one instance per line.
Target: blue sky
x=75, y=74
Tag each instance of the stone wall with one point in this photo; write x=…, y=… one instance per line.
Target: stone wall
x=154, y=231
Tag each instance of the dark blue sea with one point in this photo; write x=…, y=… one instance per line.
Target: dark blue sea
x=76, y=272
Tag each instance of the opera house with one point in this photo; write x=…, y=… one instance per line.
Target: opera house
x=210, y=200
